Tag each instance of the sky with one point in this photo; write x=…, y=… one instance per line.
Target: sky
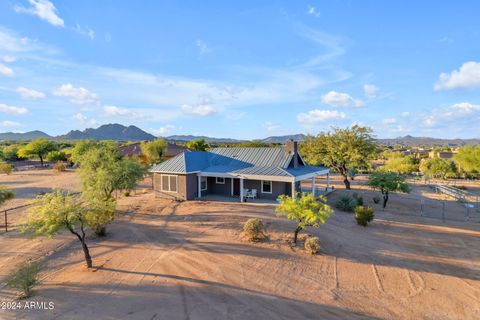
x=241, y=69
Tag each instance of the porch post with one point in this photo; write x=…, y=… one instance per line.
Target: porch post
x=328, y=182
x=231, y=188
x=313, y=186
x=199, y=186
x=241, y=190
x=293, y=189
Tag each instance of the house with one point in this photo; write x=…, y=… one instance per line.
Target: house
x=234, y=172
x=135, y=150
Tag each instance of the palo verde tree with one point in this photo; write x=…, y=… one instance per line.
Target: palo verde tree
x=306, y=209
x=59, y=210
x=198, y=145
x=438, y=168
x=102, y=170
x=388, y=182
x=155, y=150
x=342, y=150
x=399, y=163
x=468, y=160
x=36, y=148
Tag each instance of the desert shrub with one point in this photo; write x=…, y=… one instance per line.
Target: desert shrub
x=126, y=193
x=376, y=199
x=312, y=245
x=346, y=203
x=254, y=229
x=6, y=168
x=359, y=201
x=59, y=166
x=25, y=278
x=363, y=215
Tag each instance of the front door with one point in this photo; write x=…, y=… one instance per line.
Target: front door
x=236, y=187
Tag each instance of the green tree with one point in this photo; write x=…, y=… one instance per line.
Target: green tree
x=388, y=182
x=10, y=152
x=154, y=150
x=37, y=148
x=5, y=194
x=438, y=168
x=58, y=210
x=198, y=145
x=306, y=209
x=399, y=163
x=253, y=144
x=56, y=155
x=468, y=159
x=342, y=150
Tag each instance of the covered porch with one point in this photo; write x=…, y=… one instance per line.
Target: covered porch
x=245, y=187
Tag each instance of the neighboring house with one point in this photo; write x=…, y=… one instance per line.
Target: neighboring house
x=447, y=155
x=134, y=149
x=231, y=172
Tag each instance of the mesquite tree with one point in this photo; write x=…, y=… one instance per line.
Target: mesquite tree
x=343, y=150
x=306, y=209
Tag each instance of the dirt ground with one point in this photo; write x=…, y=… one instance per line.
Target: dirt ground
x=189, y=260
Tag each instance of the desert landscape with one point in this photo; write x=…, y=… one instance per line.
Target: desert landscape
x=189, y=260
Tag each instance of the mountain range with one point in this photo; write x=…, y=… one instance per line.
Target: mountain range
x=132, y=133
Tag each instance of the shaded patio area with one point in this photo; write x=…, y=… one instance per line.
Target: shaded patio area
x=220, y=198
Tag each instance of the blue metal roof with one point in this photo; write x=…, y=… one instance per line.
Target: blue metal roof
x=248, y=161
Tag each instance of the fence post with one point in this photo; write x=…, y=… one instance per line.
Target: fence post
x=6, y=222
x=443, y=211
x=421, y=208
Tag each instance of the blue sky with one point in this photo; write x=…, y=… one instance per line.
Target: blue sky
x=246, y=69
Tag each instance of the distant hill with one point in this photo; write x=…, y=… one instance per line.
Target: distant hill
x=109, y=132
x=282, y=139
x=187, y=138
x=425, y=141
x=30, y=135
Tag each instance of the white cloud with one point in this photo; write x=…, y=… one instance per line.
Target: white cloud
x=202, y=47
x=85, y=31
x=452, y=115
x=9, y=124
x=270, y=126
x=313, y=12
x=199, y=110
x=468, y=76
x=6, y=71
x=389, y=121
x=8, y=59
x=341, y=100
x=77, y=95
x=13, y=109
x=370, y=90
x=405, y=114
x=116, y=111
x=163, y=130
x=43, y=9
x=316, y=115
x=84, y=120
x=30, y=94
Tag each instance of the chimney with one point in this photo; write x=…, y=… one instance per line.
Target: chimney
x=292, y=148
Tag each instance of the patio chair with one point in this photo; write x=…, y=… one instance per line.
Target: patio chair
x=253, y=194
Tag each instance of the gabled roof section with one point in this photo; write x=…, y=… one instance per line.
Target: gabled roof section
x=261, y=157
x=184, y=163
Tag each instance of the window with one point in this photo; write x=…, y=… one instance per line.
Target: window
x=169, y=183
x=220, y=180
x=203, y=183
x=266, y=186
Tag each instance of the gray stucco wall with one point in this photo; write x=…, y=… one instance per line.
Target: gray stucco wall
x=186, y=188
x=278, y=188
